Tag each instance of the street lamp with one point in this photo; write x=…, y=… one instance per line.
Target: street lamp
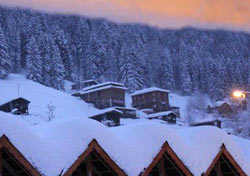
x=240, y=94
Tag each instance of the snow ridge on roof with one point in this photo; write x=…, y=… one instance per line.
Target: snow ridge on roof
x=9, y=99
x=102, y=88
x=103, y=111
x=109, y=83
x=132, y=147
x=158, y=114
x=147, y=90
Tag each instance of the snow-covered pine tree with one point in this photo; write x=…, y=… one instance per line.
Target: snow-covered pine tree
x=131, y=72
x=33, y=62
x=5, y=63
x=185, y=78
x=166, y=75
x=62, y=44
x=96, y=63
x=57, y=72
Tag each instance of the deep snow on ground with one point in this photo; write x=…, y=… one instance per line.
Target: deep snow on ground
x=40, y=96
x=132, y=147
x=134, y=144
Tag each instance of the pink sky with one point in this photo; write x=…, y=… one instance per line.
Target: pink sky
x=161, y=13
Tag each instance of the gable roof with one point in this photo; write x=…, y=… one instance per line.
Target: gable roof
x=104, y=84
x=10, y=99
x=94, y=146
x=148, y=90
x=102, y=88
x=104, y=111
x=6, y=144
x=131, y=147
x=224, y=151
x=158, y=114
x=166, y=148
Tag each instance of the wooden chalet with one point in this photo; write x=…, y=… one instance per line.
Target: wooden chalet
x=222, y=108
x=109, y=117
x=151, y=98
x=224, y=164
x=167, y=116
x=12, y=162
x=94, y=161
x=216, y=123
x=105, y=95
x=166, y=163
x=16, y=106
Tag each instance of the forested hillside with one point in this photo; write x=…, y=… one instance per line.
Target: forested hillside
x=51, y=48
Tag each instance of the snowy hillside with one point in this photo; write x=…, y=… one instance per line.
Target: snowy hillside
x=40, y=96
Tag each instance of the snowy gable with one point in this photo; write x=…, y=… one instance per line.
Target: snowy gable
x=105, y=84
x=148, y=90
x=132, y=148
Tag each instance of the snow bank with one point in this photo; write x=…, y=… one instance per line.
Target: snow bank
x=132, y=147
x=40, y=96
x=35, y=149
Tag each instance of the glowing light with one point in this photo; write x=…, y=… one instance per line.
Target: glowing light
x=239, y=94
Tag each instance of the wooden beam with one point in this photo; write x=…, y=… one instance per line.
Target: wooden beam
x=224, y=151
x=162, y=168
x=89, y=166
x=170, y=160
x=11, y=149
x=10, y=169
x=226, y=162
x=217, y=168
x=1, y=163
x=166, y=148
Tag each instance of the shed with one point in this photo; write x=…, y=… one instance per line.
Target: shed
x=127, y=112
x=168, y=116
x=221, y=107
x=216, y=123
x=16, y=106
x=109, y=117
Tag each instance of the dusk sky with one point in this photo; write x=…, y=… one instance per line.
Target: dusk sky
x=161, y=13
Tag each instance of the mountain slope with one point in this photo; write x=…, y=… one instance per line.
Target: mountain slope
x=40, y=96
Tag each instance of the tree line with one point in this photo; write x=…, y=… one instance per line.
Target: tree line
x=51, y=48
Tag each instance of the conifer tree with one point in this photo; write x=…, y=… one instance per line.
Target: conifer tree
x=34, y=62
x=166, y=74
x=5, y=63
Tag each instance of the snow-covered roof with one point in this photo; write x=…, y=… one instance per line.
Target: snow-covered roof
x=219, y=103
x=206, y=120
x=132, y=147
x=90, y=80
x=151, y=89
x=8, y=98
x=102, y=88
x=105, y=84
x=125, y=108
x=159, y=114
x=104, y=111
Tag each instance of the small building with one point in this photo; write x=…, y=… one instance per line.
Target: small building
x=168, y=116
x=104, y=95
x=151, y=98
x=17, y=106
x=127, y=112
x=221, y=107
x=109, y=117
x=216, y=123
